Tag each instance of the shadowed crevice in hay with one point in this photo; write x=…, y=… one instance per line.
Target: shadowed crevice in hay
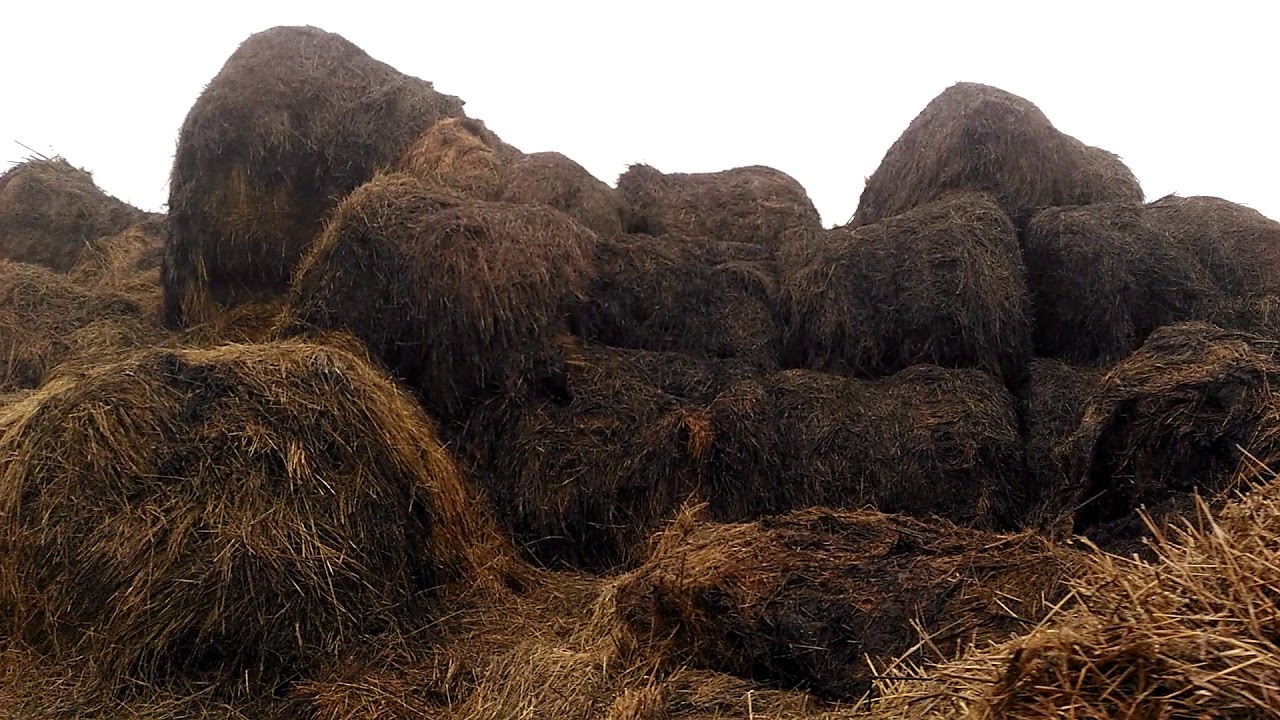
x=1059, y=394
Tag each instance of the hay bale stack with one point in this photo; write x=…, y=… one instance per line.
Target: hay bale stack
x=1239, y=246
x=818, y=599
x=1059, y=394
x=461, y=156
x=462, y=302
x=942, y=284
x=52, y=212
x=711, y=298
x=977, y=137
x=554, y=180
x=228, y=516
x=753, y=204
x=926, y=441
x=295, y=119
x=1103, y=277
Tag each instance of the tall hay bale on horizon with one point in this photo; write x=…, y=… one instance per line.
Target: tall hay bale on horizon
x=978, y=137
x=295, y=119
x=557, y=181
x=753, y=204
x=1239, y=246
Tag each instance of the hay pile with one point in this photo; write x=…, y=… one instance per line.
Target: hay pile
x=977, y=137
x=295, y=119
x=1059, y=394
x=942, y=284
x=554, y=180
x=1239, y=246
x=461, y=156
x=753, y=204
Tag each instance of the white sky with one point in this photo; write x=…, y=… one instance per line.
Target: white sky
x=1186, y=94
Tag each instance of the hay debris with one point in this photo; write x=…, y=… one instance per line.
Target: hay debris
x=554, y=180
x=1239, y=246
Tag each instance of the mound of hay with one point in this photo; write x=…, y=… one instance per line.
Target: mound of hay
x=1059, y=394
x=257, y=322
x=1239, y=246
x=549, y=178
x=926, y=441
x=711, y=298
x=754, y=204
x=462, y=303
x=818, y=598
x=1103, y=277
x=942, y=284
x=462, y=156
x=127, y=263
x=52, y=212
x=231, y=516
x=295, y=119
x=979, y=137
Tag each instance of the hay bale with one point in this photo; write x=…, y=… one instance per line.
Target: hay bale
x=977, y=137
x=295, y=119
x=554, y=180
x=711, y=298
x=942, y=284
x=462, y=303
x=1059, y=394
x=817, y=599
x=226, y=516
x=461, y=156
x=926, y=441
x=1239, y=246
x=1103, y=277
x=753, y=204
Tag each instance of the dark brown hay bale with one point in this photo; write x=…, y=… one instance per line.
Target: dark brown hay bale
x=462, y=303
x=942, y=284
x=462, y=156
x=295, y=119
x=926, y=441
x=979, y=137
x=1059, y=393
x=712, y=298
x=809, y=599
x=1239, y=246
x=549, y=178
x=229, y=516
x=753, y=204
x=1103, y=277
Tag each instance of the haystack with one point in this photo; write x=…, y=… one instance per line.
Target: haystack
x=554, y=180
x=461, y=302
x=51, y=212
x=926, y=441
x=1239, y=246
x=711, y=298
x=295, y=119
x=942, y=284
x=754, y=204
x=818, y=599
x=462, y=156
x=1059, y=394
x=230, y=516
x=1103, y=277
x=979, y=137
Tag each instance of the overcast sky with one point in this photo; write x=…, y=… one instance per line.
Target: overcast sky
x=1185, y=94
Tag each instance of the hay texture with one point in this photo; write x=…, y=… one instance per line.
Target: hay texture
x=977, y=137
x=942, y=284
x=1239, y=246
x=295, y=119
x=1059, y=394
x=462, y=302
x=462, y=156
x=754, y=204
x=554, y=180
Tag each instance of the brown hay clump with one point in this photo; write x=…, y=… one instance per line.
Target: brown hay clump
x=1059, y=394
x=1103, y=277
x=1239, y=246
x=754, y=204
x=229, y=516
x=942, y=284
x=818, y=598
x=926, y=441
x=977, y=137
x=554, y=180
x=51, y=213
x=462, y=156
x=295, y=119
x=461, y=302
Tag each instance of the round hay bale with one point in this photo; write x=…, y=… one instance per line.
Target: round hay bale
x=229, y=516
x=1239, y=246
x=979, y=137
x=462, y=156
x=1059, y=393
x=554, y=180
x=462, y=303
x=811, y=598
x=1102, y=278
x=51, y=212
x=753, y=204
x=942, y=284
x=295, y=119
x=711, y=298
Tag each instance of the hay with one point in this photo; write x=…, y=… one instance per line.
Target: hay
x=257, y=322
x=817, y=599
x=295, y=119
x=978, y=137
x=711, y=298
x=1239, y=246
x=52, y=212
x=942, y=284
x=551, y=179
x=754, y=204
x=226, y=517
x=926, y=441
x=462, y=303
x=462, y=156
x=1059, y=393
x=1104, y=277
